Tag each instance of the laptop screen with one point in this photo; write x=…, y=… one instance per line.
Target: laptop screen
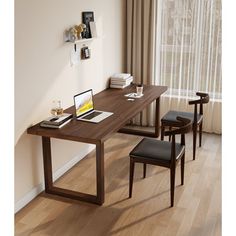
x=83, y=102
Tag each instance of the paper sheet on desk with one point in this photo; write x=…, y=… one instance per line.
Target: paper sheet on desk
x=133, y=95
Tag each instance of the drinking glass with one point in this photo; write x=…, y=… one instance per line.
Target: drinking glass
x=56, y=110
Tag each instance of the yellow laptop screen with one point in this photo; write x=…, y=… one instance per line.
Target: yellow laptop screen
x=83, y=103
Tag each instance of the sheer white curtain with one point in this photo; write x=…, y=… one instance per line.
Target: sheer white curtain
x=188, y=55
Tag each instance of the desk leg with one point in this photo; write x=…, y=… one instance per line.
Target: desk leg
x=157, y=118
x=47, y=163
x=154, y=134
x=100, y=173
x=49, y=188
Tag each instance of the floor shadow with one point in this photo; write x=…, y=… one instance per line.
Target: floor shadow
x=86, y=219
x=137, y=221
x=120, y=172
x=121, y=145
x=68, y=200
x=138, y=203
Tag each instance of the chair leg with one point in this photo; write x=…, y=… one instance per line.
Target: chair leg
x=144, y=170
x=131, y=176
x=200, y=135
x=182, y=169
x=170, y=128
x=194, y=141
x=172, y=185
x=162, y=131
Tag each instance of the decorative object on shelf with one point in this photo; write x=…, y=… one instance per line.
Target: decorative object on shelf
x=93, y=29
x=75, y=33
x=81, y=29
x=85, y=53
x=87, y=17
x=71, y=35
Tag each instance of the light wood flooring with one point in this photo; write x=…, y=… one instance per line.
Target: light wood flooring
x=197, y=209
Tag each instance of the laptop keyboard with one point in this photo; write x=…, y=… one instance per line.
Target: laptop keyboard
x=92, y=115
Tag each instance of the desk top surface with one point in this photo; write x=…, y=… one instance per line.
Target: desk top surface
x=112, y=100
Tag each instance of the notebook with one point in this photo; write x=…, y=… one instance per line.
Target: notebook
x=84, y=108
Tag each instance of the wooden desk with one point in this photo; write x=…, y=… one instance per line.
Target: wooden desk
x=112, y=100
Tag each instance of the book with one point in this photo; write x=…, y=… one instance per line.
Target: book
x=120, y=76
x=120, y=80
x=56, y=121
x=118, y=86
x=117, y=81
x=45, y=125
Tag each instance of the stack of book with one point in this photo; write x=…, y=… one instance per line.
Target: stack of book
x=56, y=122
x=121, y=80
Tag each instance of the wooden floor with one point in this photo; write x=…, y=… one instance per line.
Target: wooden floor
x=197, y=209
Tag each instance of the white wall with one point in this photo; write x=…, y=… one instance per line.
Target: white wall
x=43, y=73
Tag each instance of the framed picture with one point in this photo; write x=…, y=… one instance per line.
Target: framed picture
x=85, y=53
x=87, y=17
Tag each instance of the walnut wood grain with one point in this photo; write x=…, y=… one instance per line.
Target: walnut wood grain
x=112, y=100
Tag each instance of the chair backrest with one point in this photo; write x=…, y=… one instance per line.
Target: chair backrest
x=185, y=127
x=204, y=98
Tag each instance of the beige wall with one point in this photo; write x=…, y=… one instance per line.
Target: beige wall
x=43, y=73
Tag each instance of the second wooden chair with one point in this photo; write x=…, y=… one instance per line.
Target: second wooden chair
x=169, y=119
x=162, y=153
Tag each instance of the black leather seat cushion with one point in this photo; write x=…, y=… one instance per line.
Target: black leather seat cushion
x=170, y=116
x=156, y=149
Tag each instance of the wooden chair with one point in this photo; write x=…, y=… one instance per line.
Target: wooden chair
x=162, y=153
x=169, y=119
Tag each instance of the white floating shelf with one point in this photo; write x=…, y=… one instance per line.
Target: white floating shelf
x=83, y=40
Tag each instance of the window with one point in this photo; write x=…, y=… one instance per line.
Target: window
x=190, y=46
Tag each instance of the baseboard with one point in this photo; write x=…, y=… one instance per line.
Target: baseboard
x=57, y=174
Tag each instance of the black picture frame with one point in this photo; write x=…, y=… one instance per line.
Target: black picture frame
x=85, y=53
x=87, y=16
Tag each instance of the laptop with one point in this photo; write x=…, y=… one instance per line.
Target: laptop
x=84, y=108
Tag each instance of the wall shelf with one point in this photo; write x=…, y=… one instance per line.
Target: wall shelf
x=83, y=40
